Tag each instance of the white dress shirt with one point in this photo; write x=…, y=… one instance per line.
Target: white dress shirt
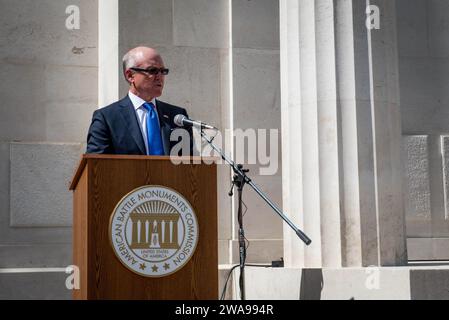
x=142, y=114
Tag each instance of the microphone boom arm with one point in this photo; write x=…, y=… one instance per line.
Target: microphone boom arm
x=238, y=171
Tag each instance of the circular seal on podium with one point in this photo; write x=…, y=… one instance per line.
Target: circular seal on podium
x=153, y=231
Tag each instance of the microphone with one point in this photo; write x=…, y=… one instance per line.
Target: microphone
x=182, y=121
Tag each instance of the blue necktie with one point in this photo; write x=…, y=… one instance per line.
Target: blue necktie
x=153, y=133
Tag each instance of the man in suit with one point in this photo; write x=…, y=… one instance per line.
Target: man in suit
x=137, y=124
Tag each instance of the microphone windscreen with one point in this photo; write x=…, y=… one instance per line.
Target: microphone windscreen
x=179, y=120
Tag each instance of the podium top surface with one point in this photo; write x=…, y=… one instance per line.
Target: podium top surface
x=86, y=157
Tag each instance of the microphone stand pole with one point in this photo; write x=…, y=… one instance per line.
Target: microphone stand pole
x=239, y=180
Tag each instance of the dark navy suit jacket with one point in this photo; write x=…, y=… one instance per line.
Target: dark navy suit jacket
x=115, y=129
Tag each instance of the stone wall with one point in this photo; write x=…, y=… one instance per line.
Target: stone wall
x=224, y=61
x=423, y=47
x=48, y=95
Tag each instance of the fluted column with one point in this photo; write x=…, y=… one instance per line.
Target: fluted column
x=341, y=134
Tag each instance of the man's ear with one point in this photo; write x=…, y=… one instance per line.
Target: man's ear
x=129, y=75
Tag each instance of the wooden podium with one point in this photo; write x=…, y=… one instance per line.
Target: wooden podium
x=99, y=184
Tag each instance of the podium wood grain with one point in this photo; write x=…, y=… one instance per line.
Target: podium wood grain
x=100, y=182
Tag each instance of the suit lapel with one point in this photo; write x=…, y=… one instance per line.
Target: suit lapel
x=129, y=115
x=164, y=121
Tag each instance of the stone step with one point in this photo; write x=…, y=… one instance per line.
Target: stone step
x=34, y=284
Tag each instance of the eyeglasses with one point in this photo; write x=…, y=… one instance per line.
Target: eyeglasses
x=152, y=71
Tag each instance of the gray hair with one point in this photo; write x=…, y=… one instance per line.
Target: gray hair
x=130, y=59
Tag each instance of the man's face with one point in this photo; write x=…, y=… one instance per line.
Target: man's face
x=148, y=86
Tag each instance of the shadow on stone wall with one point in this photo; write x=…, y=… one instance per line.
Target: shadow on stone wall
x=311, y=284
x=429, y=284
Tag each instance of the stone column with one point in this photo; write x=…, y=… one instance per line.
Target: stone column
x=341, y=134
x=108, y=52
